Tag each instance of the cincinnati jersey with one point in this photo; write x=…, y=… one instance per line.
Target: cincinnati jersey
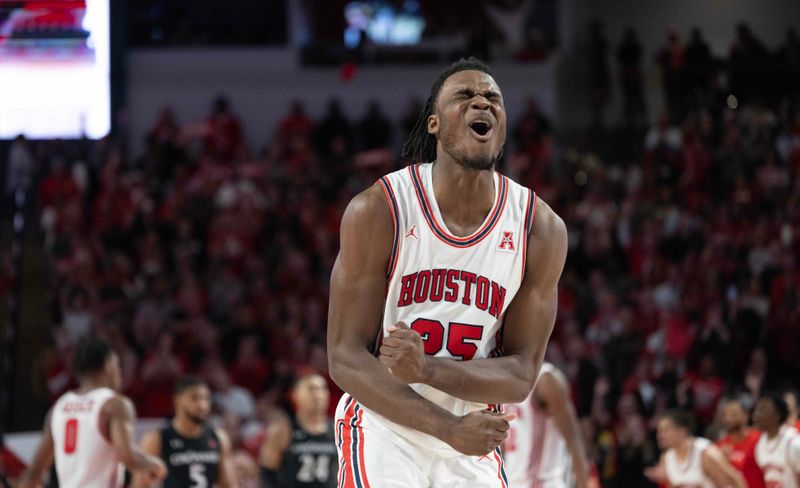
x=453, y=290
x=84, y=457
x=192, y=462
x=689, y=472
x=779, y=458
x=536, y=452
x=310, y=459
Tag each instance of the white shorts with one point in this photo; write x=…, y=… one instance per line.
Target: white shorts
x=372, y=456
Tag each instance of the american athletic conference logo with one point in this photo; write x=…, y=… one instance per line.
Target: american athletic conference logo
x=507, y=243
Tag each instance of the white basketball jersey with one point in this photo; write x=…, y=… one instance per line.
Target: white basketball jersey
x=84, y=458
x=689, y=472
x=535, y=451
x=779, y=458
x=453, y=290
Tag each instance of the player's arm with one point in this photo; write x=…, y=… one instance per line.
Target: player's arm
x=529, y=321
x=121, y=416
x=275, y=444
x=553, y=390
x=717, y=467
x=42, y=459
x=227, y=475
x=150, y=444
x=358, y=289
x=658, y=473
x=793, y=456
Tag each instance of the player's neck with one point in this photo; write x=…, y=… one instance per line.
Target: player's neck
x=462, y=193
x=684, y=448
x=89, y=384
x=738, y=434
x=186, y=427
x=773, y=432
x=314, y=422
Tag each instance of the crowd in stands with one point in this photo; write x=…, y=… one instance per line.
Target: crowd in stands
x=692, y=76
x=203, y=256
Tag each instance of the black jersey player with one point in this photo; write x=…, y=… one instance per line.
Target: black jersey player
x=196, y=455
x=300, y=451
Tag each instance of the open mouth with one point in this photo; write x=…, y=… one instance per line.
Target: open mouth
x=480, y=127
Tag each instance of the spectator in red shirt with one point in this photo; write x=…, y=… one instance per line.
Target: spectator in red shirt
x=250, y=370
x=739, y=442
x=223, y=139
x=296, y=124
x=158, y=374
x=706, y=388
x=58, y=187
x=792, y=398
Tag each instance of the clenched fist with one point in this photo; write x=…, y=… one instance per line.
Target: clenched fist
x=479, y=433
x=404, y=354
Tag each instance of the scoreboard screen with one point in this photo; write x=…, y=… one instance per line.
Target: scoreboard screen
x=54, y=69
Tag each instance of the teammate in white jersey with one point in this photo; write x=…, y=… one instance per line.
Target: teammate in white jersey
x=688, y=461
x=778, y=449
x=545, y=437
x=89, y=431
x=448, y=272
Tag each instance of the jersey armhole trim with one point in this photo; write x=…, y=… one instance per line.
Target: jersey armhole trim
x=530, y=214
x=394, y=210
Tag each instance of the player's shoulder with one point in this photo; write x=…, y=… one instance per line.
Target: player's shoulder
x=369, y=200
x=516, y=186
x=793, y=434
x=118, y=405
x=551, y=383
x=547, y=224
x=762, y=439
x=753, y=435
x=552, y=373
x=386, y=188
x=367, y=211
x=222, y=437
x=702, y=443
x=152, y=440
x=709, y=452
x=547, y=243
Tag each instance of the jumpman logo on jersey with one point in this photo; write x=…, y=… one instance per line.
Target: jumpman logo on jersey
x=412, y=233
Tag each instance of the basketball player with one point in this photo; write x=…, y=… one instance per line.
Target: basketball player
x=739, y=443
x=300, y=452
x=196, y=455
x=690, y=461
x=778, y=449
x=546, y=436
x=453, y=269
x=791, y=398
x=89, y=431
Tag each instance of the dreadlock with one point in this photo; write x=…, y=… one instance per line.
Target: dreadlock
x=421, y=146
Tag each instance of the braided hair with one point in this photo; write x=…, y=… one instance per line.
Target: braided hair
x=420, y=146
